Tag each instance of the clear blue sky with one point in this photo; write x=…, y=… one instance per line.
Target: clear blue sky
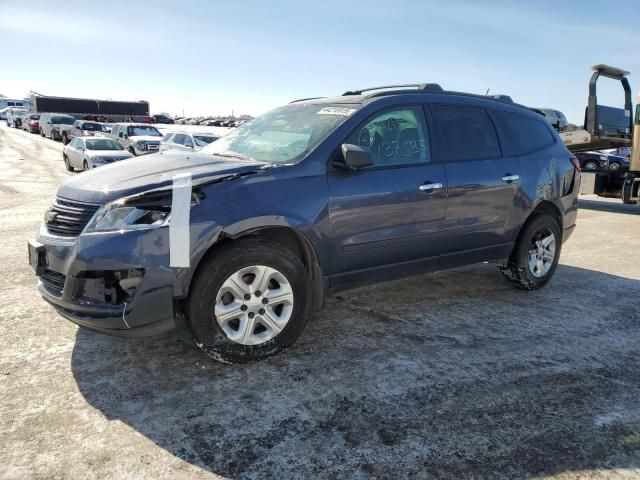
x=250, y=56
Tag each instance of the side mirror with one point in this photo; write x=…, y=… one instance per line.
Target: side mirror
x=126, y=136
x=355, y=157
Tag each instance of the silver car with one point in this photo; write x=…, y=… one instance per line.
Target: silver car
x=90, y=152
x=186, y=141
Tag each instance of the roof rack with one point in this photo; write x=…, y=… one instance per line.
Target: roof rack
x=419, y=88
x=304, y=99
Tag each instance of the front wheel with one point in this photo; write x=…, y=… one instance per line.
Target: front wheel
x=65, y=139
x=535, y=256
x=249, y=301
x=85, y=166
x=591, y=165
x=614, y=166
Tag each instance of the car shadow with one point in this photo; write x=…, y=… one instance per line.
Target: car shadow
x=449, y=375
x=611, y=207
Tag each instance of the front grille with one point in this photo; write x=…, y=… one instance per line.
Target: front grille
x=68, y=218
x=53, y=281
x=153, y=146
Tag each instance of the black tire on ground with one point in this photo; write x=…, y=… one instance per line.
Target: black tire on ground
x=65, y=139
x=215, y=269
x=517, y=270
x=85, y=166
x=67, y=165
x=626, y=193
x=614, y=166
x=41, y=133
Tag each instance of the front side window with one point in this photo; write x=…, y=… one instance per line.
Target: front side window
x=467, y=132
x=284, y=135
x=179, y=139
x=395, y=137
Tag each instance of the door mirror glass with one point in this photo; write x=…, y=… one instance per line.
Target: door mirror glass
x=355, y=157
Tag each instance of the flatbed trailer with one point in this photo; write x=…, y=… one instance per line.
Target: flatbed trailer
x=609, y=128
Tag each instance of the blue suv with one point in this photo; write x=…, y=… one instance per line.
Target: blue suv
x=249, y=235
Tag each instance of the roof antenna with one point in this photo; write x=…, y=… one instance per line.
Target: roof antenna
x=487, y=92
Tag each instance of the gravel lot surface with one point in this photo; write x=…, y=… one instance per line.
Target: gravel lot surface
x=451, y=375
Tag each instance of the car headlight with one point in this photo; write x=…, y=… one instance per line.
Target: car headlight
x=141, y=145
x=119, y=215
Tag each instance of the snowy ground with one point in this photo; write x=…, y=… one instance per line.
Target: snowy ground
x=452, y=375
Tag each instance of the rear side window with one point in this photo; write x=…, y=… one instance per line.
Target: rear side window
x=526, y=134
x=468, y=133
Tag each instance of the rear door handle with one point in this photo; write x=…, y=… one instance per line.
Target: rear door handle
x=511, y=178
x=429, y=186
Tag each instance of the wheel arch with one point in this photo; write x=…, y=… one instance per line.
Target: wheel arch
x=543, y=207
x=286, y=235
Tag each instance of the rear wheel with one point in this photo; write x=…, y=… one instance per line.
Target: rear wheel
x=614, y=166
x=535, y=256
x=67, y=164
x=249, y=301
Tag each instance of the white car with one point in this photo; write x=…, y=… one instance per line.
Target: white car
x=186, y=141
x=137, y=138
x=90, y=152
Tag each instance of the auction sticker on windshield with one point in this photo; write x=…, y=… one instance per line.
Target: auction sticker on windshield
x=336, y=111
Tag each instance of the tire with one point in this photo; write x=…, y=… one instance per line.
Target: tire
x=65, y=139
x=207, y=295
x=518, y=270
x=67, y=165
x=591, y=165
x=41, y=133
x=85, y=166
x=626, y=193
x=614, y=166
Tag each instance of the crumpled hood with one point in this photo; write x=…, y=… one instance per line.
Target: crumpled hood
x=139, y=174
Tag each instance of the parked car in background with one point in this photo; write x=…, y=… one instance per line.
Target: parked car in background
x=31, y=123
x=380, y=191
x=107, y=127
x=556, y=118
x=194, y=141
x=96, y=118
x=3, y=113
x=14, y=117
x=141, y=119
x=600, y=161
x=50, y=124
x=80, y=128
x=161, y=118
x=91, y=152
x=137, y=138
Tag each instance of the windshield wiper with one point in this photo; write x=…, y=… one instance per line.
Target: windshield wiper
x=236, y=155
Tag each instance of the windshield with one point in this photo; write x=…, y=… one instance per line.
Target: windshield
x=204, y=140
x=140, y=131
x=63, y=120
x=102, y=144
x=92, y=127
x=284, y=135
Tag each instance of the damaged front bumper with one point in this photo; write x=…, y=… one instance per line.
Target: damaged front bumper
x=118, y=283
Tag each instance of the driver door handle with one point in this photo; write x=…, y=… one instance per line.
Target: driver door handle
x=511, y=178
x=429, y=186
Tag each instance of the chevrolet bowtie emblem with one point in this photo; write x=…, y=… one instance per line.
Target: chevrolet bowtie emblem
x=49, y=216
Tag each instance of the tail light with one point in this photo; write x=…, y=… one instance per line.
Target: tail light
x=575, y=161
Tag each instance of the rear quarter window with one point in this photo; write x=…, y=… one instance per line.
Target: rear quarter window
x=524, y=134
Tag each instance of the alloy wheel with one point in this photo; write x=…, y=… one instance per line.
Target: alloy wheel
x=254, y=305
x=542, y=253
